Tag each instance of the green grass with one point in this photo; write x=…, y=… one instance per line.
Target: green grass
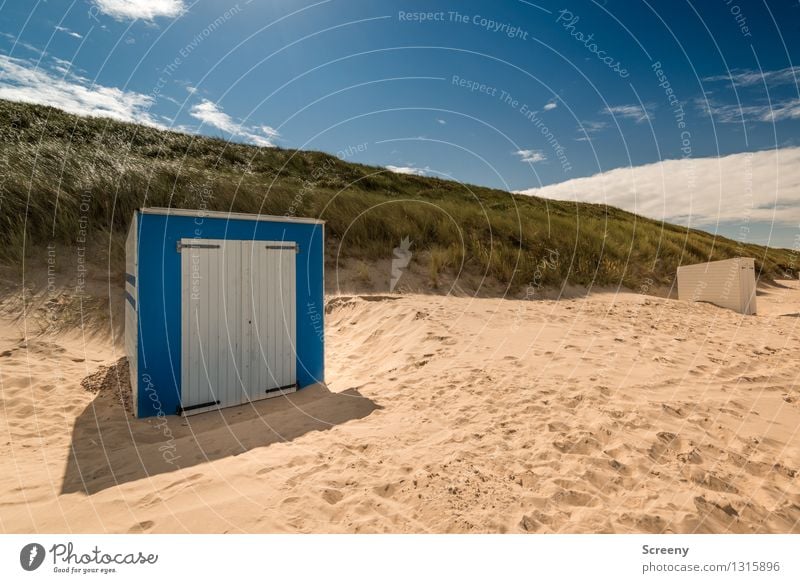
x=52, y=162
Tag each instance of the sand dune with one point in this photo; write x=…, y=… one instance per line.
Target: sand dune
x=612, y=413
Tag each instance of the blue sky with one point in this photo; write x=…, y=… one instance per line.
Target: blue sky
x=555, y=99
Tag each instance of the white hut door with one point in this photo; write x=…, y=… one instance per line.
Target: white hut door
x=268, y=300
x=237, y=322
x=747, y=281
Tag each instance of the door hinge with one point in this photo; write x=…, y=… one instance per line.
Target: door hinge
x=283, y=388
x=179, y=246
x=296, y=247
x=179, y=410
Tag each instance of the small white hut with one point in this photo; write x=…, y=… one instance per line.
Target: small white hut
x=730, y=283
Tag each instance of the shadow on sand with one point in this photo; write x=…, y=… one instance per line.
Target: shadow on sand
x=110, y=447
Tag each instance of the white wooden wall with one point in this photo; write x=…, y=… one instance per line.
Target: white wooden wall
x=131, y=311
x=729, y=284
x=238, y=321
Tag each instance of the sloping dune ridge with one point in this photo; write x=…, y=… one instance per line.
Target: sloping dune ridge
x=611, y=413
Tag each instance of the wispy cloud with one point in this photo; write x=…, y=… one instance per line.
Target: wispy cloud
x=141, y=9
x=743, y=187
x=441, y=121
x=270, y=132
x=18, y=42
x=531, y=156
x=765, y=112
x=71, y=33
x=550, y=105
x=635, y=112
x=22, y=81
x=592, y=127
x=171, y=99
x=65, y=68
x=588, y=128
x=210, y=114
x=750, y=77
x=407, y=170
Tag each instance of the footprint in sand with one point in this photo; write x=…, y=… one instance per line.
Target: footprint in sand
x=664, y=447
x=690, y=457
x=290, y=501
x=573, y=498
x=644, y=522
x=387, y=490
x=577, y=444
x=143, y=526
x=711, y=481
x=529, y=524
x=672, y=410
x=558, y=427
x=527, y=480
x=332, y=496
x=724, y=512
x=150, y=500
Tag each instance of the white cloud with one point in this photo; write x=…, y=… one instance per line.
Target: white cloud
x=191, y=90
x=407, y=170
x=531, y=156
x=702, y=191
x=171, y=99
x=550, y=105
x=441, y=121
x=143, y=9
x=19, y=42
x=592, y=127
x=22, y=81
x=269, y=131
x=71, y=33
x=65, y=68
x=769, y=113
x=209, y=113
x=750, y=77
x=634, y=112
x=588, y=128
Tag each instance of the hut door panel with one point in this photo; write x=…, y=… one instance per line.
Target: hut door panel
x=211, y=316
x=269, y=300
x=748, y=288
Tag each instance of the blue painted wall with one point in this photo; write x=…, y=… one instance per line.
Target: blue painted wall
x=160, y=298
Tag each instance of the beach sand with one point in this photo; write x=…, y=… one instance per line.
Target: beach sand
x=609, y=413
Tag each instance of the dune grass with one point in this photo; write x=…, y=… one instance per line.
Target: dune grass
x=67, y=178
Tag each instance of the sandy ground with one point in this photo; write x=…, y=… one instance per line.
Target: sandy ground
x=613, y=413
